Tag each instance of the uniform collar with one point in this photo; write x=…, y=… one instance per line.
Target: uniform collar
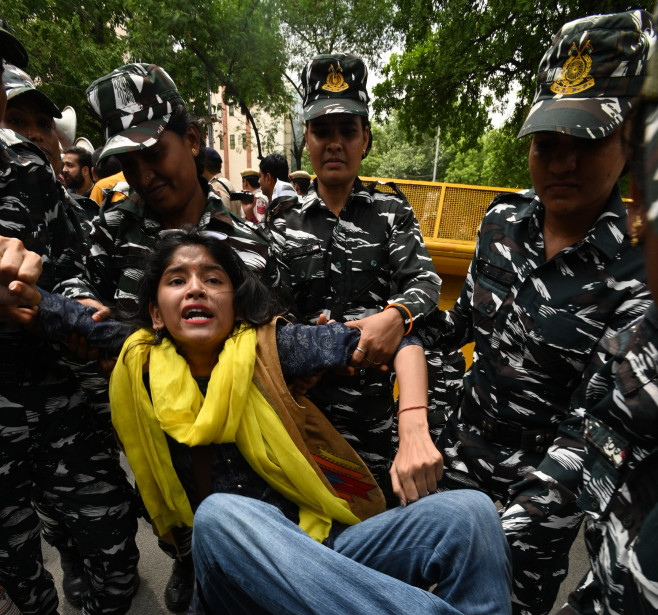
x=605, y=236
x=313, y=200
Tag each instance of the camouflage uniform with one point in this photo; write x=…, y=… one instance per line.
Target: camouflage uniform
x=45, y=435
x=349, y=267
x=93, y=383
x=604, y=465
x=535, y=324
x=125, y=231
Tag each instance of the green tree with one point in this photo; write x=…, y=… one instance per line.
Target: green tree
x=310, y=27
x=392, y=155
x=463, y=59
x=497, y=159
x=69, y=45
x=210, y=43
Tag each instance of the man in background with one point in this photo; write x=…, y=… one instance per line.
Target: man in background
x=77, y=170
x=212, y=171
x=300, y=180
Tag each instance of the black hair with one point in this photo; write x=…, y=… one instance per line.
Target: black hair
x=252, y=180
x=109, y=166
x=84, y=156
x=634, y=126
x=213, y=165
x=253, y=302
x=276, y=165
x=303, y=183
x=178, y=122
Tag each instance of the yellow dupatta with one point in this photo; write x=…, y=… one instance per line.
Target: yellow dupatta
x=234, y=410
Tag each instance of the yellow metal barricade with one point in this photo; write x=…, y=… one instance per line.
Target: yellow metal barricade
x=449, y=217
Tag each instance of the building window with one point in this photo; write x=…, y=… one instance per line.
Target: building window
x=231, y=141
x=231, y=109
x=244, y=140
x=221, y=142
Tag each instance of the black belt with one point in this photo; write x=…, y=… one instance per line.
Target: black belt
x=506, y=434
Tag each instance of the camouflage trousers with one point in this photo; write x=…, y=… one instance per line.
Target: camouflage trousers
x=94, y=387
x=540, y=561
x=46, y=442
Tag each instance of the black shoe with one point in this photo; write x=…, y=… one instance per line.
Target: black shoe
x=180, y=586
x=74, y=581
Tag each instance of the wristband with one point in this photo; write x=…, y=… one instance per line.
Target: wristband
x=406, y=309
x=401, y=410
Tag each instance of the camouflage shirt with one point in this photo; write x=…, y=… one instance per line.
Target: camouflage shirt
x=535, y=322
x=125, y=231
x=31, y=209
x=606, y=460
x=350, y=266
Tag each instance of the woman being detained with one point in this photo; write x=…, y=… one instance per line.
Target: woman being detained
x=200, y=404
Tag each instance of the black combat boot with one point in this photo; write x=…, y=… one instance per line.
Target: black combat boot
x=74, y=581
x=180, y=586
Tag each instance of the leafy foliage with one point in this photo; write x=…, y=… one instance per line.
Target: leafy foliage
x=393, y=156
x=497, y=159
x=360, y=27
x=69, y=45
x=464, y=59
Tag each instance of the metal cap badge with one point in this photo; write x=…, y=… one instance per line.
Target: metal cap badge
x=590, y=74
x=335, y=83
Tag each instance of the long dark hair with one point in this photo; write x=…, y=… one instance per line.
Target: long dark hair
x=253, y=302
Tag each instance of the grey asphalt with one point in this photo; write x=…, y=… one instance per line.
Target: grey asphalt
x=155, y=566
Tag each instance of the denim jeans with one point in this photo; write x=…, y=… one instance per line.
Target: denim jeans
x=250, y=559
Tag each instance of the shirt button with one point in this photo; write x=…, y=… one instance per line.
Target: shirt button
x=239, y=486
x=302, y=275
x=229, y=461
x=373, y=263
x=490, y=308
x=339, y=265
x=596, y=504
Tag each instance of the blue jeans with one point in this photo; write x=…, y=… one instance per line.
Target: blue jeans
x=250, y=559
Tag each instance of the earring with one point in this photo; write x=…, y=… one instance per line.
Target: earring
x=195, y=151
x=636, y=227
x=159, y=336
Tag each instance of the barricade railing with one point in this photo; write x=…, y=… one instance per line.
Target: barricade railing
x=449, y=217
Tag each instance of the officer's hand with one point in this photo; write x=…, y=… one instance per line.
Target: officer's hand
x=77, y=344
x=381, y=335
x=19, y=271
x=19, y=316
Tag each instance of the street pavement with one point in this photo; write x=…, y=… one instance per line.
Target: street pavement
x=155, y=567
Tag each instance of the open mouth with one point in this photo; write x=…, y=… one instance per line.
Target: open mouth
x=196, y=314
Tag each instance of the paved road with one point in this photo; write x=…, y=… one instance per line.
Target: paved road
x=155, y=566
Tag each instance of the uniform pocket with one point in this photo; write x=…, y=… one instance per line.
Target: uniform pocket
x=492, y=287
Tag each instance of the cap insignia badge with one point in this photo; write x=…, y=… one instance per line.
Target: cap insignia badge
x=575, y=75
x=335, y=81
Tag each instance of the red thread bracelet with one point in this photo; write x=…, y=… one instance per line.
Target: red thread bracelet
x=401, y=410
x=406, y=309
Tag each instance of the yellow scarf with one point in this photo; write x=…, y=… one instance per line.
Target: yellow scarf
x=234, y=410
